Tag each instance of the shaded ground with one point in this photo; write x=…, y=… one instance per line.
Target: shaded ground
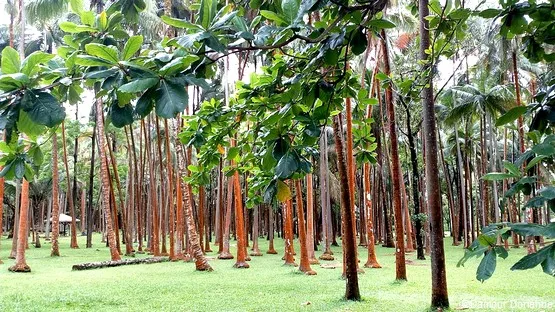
x=266, y=286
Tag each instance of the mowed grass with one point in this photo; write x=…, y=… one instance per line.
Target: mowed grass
x=266, y=286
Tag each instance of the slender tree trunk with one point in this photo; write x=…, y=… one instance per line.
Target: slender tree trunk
x=55, y=252
x=15, y=231
x=239, y=220
x=310, y=219
x=104, y=177
x=352, y=291
x=225, y=254
x=255, y=233
x=288, y=233
x=20, y=263
x=271, y=231
x=415, y=192
x=69, y=191
x=91, y=190
x=325, y=197
x=439, y=277
x=305, y=261
x=401, y=272
x=372, y=261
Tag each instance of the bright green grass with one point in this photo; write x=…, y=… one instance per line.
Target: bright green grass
x=266, y=286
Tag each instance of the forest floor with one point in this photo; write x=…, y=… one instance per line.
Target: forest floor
x=266, y=286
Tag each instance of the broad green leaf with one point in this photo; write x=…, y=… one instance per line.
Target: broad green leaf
x=145, y=104
x=31, y=62
x=121, y=116
x=535, y=161
x=108, y=53
x=545, y=149
x=498, y=176
x=10, y=61
x=512, y=168
x=86, y=60
x=76, y=6
x=178, y=64
x=510, y=116
x=286, y=166
x=380, y=24
x=139, y=84
x=487, y=266
x=73, y=28
x=283, y=193
x=207, y=12
x=27, y=126
x=273, y=16
x=179, y=23
x=532, y=260
x=548, y=265
x=103, y=20
x=489, y=13
x=171, y=99
x=131, y=47
x=232, y=153
x=359, y=42
x=43, y=108
x=88, y=18
x=13, y=81
x=290, y=9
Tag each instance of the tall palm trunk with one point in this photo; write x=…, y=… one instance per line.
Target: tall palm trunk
x=310, y=219
x=305, y=261
x=288, y=233
x=433, y=189
x=352, y=291
x=201, y=262
x=15, y=231
x=401, y=272
x=239, y=220
x=55, y=252
x=255, y=233
x=325, y=197
x=225, y=254
x=271, y=231
x=169, y=173
x=69, y=192
x=105, y=180
x=372, y=261
x=415, y=192
x=91, y=190
x=20, y=263
x=462, y=191
x=529, y=218
x=350, y=166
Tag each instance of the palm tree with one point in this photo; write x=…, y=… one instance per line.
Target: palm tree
x=401, y=272
x=477, y=100
x=55, y=252
x=440, y=297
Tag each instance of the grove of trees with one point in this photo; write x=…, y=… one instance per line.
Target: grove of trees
x=172, y=127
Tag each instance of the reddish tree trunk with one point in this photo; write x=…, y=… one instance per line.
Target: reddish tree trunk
x=20, y=263
x=401, y=272
x=372, y=261
x=239, y=220
x=104, y=177
x=225, y=254
x=55, y=252
x=352, y=291
x=305, y=262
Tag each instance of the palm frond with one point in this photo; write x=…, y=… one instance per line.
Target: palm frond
x=43, y=11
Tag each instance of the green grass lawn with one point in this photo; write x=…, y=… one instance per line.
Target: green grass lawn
x=266, y=286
